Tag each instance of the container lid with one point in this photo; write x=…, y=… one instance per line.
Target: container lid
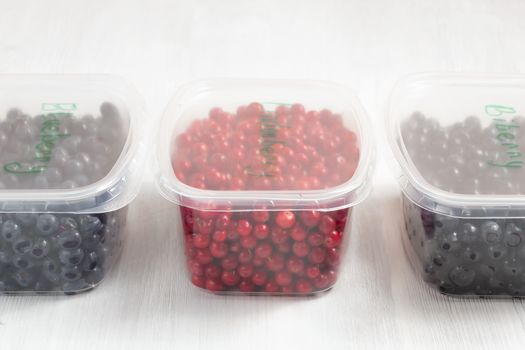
x=68, y=143
x=244, y=145
x=459, y=139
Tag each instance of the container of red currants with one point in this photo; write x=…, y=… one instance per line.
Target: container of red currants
x=70, y=154
x=459, y=140
x=264, y=175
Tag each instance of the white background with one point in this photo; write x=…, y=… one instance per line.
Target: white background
x=158, y=45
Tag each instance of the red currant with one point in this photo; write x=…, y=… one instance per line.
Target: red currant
x=285, y=219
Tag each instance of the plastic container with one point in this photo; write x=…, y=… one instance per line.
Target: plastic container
x=265, y=188
x=69, y=155
x=459, y=141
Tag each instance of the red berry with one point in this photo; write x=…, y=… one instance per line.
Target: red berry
x=271, y=287
x=229, y=263
x=295, y=265
x=261, y=231
x=317, y=255
x=214, y=285
x=263, y=250
x=244, y=227
x=256, y=261
x=259, y=278
x=287, y=289
x=315, y=239
x=233, y=236
x=333, y=239
x=327, y=224
x=248, y=242
x=285, y=219
x=298, y=233
x=218, y=249
x=333, y=257
x=195, y=268
x=310, y=218
x=283, y=278
x=245, y=270
x=303, y=286
x=246, y=286
x=201, y=240
x=203, y=256
x=279, y=236
x=275, y=262
x=230, y=277
x=255, y=108
x=212, y=272
x=199, y=281
x=206, y=215
x=261, y=216
x=284, y=248
x=235, y=247
x=312, y=271
x=204, y=226
x=322, y=281
x=300, y=249
x=297, y=109
x=223, y=221
x=245, y=256
x=220, y=235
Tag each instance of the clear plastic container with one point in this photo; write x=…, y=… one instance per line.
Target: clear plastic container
x=265, y=188
x=459, y=141
x=70, y=151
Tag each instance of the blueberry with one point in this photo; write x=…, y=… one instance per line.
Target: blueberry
x=91, y=241
x=471, y=255
x=70, y=273
x=95, y=276
x=469, y=233
x=5, y=257
x=67, y=222
x=47, y=224
x=24, y=278
x=91, y=261
x=491, y=232
x=69, y=239
x=10, y=230
x=22, y=245
x=40, y=249
x=6, y=286
x=51, y=270
x=22, y=261
x=71, y=257
x=512, y=267
x=90, y=225
x=76, y=286
x=497, y=252
x=26, y=219
x=513, y=235
x=462, y=276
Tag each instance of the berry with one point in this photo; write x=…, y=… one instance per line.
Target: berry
x=285, y=219
x=267, y=249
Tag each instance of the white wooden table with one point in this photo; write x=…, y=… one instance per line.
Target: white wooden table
x=158, y=45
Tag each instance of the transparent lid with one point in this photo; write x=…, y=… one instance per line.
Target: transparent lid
x=68, y=143
x=459, y=139
x=251, y=144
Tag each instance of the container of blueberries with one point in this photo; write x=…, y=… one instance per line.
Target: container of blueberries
x=459, y=140
x=69, y=160
x=264, y=175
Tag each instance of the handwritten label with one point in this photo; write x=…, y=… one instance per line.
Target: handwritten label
x=49, y=135
x=269, y=133
x=506, y=129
